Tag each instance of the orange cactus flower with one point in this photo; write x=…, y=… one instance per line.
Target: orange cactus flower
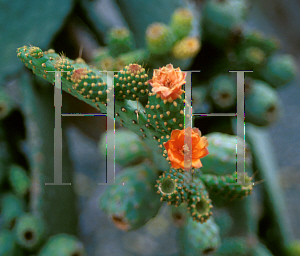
x=167, y=82
x=177, y=149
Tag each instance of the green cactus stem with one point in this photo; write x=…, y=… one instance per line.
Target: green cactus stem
x=171, y=187
x=120, y=40
x=222, y=155
x=30, y=231
x=129, y=148
x=199, y=238
x=262, y=105
x=182, y=22
x=133, y=204
x=19, y=180
x=198, y=201
x=219, y=184
x=63, y=245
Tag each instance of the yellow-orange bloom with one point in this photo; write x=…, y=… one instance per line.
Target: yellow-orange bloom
x=166, y=82
x=177, y=149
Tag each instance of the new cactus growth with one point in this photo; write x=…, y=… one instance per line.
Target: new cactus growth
x=182, y=22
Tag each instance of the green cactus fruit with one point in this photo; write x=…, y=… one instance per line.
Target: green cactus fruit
x=30, y=231
x=262, y=104
x=223, y=156
x=63, y=245
x=131, y=83
x=170, y=187
x=182, y=22
x=179, y=214
x=293, y=248
x=8, y=246
x=6, y=103
x=129, y=148
x=257, y=39
x=223, y=91
x=220, y=18
x=199, y=238
x=220, y=185
x=186, y=48
x=140, y=56
x=132, y=205
x=279, y=70
x=11, y=208
x=233, y=246
x=199, y=204
x=120, y=40
x=251, y=58
x=159, y=38
x=19, y=180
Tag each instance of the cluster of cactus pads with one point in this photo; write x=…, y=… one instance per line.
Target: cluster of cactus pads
x=152, y=172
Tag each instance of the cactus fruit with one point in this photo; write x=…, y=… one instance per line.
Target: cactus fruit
x=131, y=83
x=129, y=148
x=262, y=104
x=12, y=207
x=220, y=18
x=133, y=204
x=223, y=91
x=30, y=231
x=19, y=180
x=120, y=40
x=8, y=246
x=159, y=38
x=199, y=203
x=140, y=56
x=222, y=158
x=279, y=70
x=63, y=245
x=186, y=48
x=199, y=239
x=181, y=22
x=171, y=187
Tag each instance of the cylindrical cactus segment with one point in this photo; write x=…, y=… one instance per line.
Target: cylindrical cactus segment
x=139, y=56
x=226, y=185
x=186, y=48
x=132, y=205
x=223, y=154
x=199, y=203
x=170, y=187
x=159, y=38
x=182, y=22
x=30, y=231
x=120, y=40
x=279, y=70
x=19, y=180
x=63, y=245
x=131, y=83
x=199, y=238
x=262, y=105
x=223, y=91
